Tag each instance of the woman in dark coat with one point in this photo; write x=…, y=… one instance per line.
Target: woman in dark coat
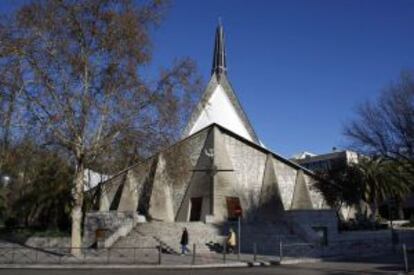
x=184, y=242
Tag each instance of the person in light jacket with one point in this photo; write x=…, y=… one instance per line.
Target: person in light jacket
x=231, y=241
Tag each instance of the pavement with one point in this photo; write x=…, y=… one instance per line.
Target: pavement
x=29, y=257
x=124, y=261
x=384, y=264
x=378, y=265
x=146, y=262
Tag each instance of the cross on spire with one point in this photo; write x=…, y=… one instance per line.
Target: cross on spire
x=219, y=56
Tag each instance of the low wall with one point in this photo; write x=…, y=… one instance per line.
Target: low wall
x=302, y=223
x=57, y=242
x=116, y=224
x=364, y=235
x=406, y=236
x=400, y=236
x=353, y=243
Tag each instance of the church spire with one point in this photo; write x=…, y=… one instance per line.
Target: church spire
x=219, y=56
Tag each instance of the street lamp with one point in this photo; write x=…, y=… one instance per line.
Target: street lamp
x=391, y=204
x=5, y=180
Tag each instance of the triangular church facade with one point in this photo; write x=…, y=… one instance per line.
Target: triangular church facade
x=219, y=103
x=217, y=172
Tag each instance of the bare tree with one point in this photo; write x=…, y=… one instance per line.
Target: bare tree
x=81, y=64
x=386, y=127
x=12, y=112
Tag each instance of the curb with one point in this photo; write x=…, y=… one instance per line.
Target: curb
x=263, y=263
x=120, y=266
x=301, y=261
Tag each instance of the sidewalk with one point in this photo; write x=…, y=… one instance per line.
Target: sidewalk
x=168, y=261
x=141, y=258
x=20, y=256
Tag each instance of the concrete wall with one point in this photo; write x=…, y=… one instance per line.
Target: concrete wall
x=301, y=196
x=225, y=182
x=161, y=205
x=196, y=183
x=109, y=191
x=248, y=163
x=286, y=177
x=157, y=185
x=181, y=160
x=270, y=203
x=316, y=197
x=139, y=179
x=111, y=221
x=162, y=187
x=303, y=221
x=354, y=243
x=48, y=242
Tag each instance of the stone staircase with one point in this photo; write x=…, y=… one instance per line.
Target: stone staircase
x=169, y=236
x=207, y=237
x=137, y=239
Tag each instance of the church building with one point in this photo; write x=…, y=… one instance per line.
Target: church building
x=218, y=171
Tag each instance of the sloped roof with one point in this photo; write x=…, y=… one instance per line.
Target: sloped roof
x=219, y=105
x=229, y=132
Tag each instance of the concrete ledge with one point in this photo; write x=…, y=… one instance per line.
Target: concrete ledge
x=120, y=266
x=301, y=261
x=269, y=263
x=328, y=258
x=263, y=263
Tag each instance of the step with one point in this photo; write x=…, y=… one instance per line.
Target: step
x=168, y=234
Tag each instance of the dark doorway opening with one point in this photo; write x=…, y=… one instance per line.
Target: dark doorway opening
x=195, y=213
x=234, y=208
x=322, y=232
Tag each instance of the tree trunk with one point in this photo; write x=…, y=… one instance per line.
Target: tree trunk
x=400, y=209
x=76, y=240
x=375, y=214
x=7, y=124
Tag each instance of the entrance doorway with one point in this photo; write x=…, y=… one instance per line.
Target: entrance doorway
x=195, y=212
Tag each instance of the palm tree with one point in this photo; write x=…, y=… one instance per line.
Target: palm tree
x=341, y=187
x=380, y=180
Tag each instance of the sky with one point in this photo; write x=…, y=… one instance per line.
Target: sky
x=299, y=67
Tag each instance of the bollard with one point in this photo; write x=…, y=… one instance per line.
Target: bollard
x=135, y=255
x=405, y=258
x=224, y=252
x=239, y=238
x=61, y=259
x=280, y=251
x=108, y=253
x=194, y=254
x=159, y=254
x=254, y=252
x=13, y=252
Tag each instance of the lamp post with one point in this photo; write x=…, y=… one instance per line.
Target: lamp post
x=391, y=203
x=5, y=180
x=238, y=212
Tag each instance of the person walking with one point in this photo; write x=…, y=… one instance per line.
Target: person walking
x=184, y=242
x=231, y=241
